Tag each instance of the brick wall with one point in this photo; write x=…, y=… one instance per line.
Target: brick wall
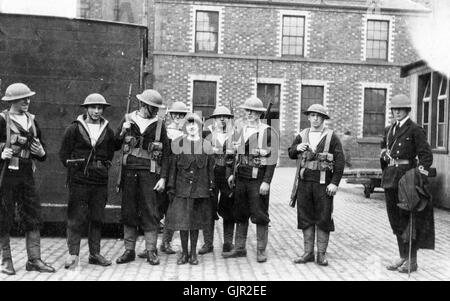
x=334, y=57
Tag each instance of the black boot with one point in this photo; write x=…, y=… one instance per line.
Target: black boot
x=409, y=266
x=7, y=263
x=194, y=238
x=240, y=242
x=39, y=266
x=228, y=231
x=166, y=247
x=208, y=236
x=126, y=257
x=129, y=239
x=184, y=257
x=402, y=250
x=8, y=267
x=94, y=238
x=33, y=244
x=262, y=233
x=151, y=239
x=98, y=259
x=322, y=245
x=308, y=242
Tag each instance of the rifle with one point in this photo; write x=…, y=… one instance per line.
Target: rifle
x=267, y=112
x=121, y=163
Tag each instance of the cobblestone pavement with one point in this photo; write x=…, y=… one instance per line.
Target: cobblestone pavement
x=359, y=248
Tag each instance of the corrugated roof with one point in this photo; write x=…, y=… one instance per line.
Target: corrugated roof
x=383, y=4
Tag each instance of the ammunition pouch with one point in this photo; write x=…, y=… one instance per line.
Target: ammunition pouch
x=155, y=150
x=321, y=161
x=20, y=146
x=308, y=155
x=250, y=161
x=130, y=142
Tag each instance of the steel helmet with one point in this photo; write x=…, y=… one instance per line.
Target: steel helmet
x=221, y=111
x=193, y=117
x=152, y=98
x=253, y=104
x=17, y=91
x=317, y=108
x=401, y=101
x=95, y=99
x=178, y=107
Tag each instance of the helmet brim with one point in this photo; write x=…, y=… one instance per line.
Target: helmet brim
x=95, y=104
x=262, y=110
x=12, y=98
x=321, y=114
x=177, y=111
x=139, y=97
x=220, y=115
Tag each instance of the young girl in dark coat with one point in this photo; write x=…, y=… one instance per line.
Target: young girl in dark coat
x=191, y=182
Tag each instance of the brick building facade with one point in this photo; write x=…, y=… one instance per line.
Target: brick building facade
x=294, y=53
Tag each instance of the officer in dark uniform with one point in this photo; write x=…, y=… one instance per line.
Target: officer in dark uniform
x=20, y=144
x=403, y=143
x=254, y=169
x=145, y=170
x=320, y=167
x=220, y=135
x=87, y=150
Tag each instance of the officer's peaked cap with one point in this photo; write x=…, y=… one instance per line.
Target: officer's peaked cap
x=400, y=101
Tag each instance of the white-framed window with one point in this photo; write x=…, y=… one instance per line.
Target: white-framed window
x=374, y=114
x=207, y=24
x=378, y=38
x=293, y=33
x=374, y=120
x=433, y=108
x=204, y=93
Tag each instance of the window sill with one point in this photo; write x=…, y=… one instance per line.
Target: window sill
x=369, y=140
x=377, y=60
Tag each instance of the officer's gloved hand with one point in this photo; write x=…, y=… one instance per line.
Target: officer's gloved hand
x=7, y=153
x=264, y=189
x=231, y=182
x=37, y=149
x=332, y=190
x=160, y=186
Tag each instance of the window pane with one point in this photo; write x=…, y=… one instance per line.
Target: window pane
x=441, y=110
x=207, y=28
x=426, y=108
x=440, y=136
x=204, y=99
x=443, y=87
x=377, y=39
x=293, y=35
x=374, y=111
x=427, y=89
